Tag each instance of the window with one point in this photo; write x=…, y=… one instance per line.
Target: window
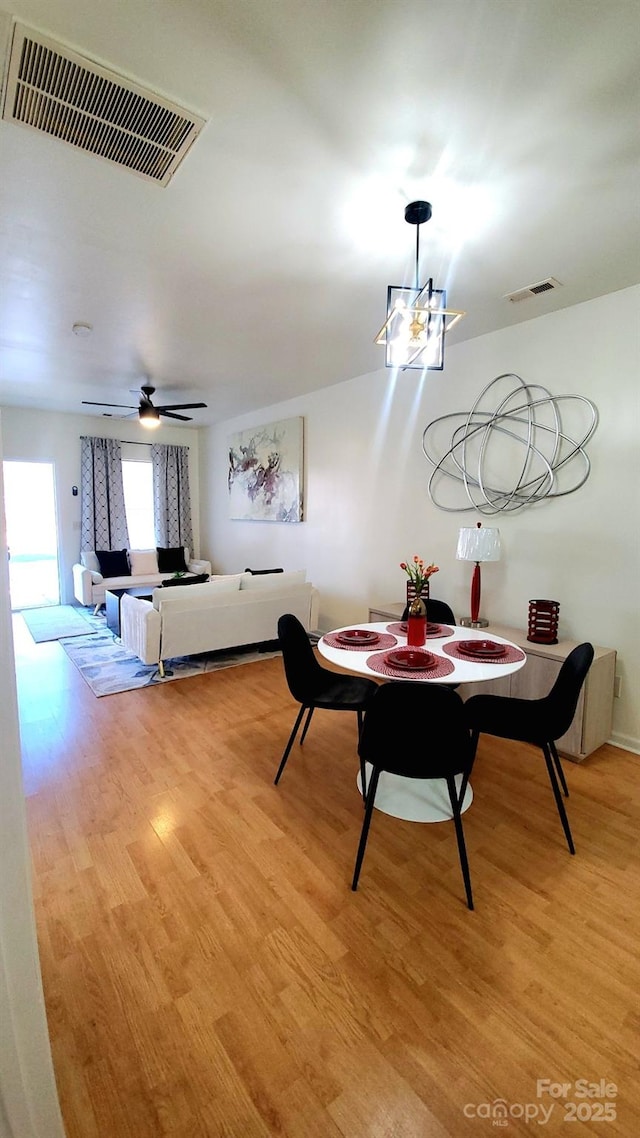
x=137, y=477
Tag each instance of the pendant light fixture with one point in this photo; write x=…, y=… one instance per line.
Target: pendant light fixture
x=417, y=317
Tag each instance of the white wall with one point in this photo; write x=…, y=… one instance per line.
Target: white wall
x=43, y=436
x=367, y=506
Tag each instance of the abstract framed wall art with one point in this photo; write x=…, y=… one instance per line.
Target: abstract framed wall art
x=266, y=472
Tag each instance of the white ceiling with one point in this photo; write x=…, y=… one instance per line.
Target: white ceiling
x=261, y=271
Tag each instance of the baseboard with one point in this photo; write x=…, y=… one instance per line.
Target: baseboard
x=626, y=742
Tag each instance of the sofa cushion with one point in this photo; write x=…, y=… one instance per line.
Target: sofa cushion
x=208, y=590
x=143, y=562
x=89, y=560
x=259, y=581
x=172, y=560
x=197, y=579
x=113, y=562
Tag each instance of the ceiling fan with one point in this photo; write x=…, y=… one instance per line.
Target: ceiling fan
x=147, y=412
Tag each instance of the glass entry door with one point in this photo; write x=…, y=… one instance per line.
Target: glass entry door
x=32, y=536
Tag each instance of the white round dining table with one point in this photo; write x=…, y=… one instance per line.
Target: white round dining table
x=418, y=800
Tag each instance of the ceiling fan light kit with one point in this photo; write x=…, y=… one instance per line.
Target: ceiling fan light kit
x=148, y=413
x=149, y=417
x=417, y=317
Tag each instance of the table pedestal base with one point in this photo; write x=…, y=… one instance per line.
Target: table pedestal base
x=415, y=799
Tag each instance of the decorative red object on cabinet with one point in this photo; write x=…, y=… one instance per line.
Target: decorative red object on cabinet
x=543, y=622
x=411, y=591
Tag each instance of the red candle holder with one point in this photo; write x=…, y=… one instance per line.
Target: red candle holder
x=543, y=622
x=411, y=591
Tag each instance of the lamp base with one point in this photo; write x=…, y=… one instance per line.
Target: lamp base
x=467, y=622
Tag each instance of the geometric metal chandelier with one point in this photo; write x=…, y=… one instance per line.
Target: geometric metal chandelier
x=417, y=317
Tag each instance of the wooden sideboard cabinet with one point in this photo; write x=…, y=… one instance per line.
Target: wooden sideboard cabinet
x=388, y=612
x=591, y=725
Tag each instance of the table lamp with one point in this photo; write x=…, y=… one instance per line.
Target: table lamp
x=477, y=545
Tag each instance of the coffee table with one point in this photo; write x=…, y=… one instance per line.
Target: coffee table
x=112, y=598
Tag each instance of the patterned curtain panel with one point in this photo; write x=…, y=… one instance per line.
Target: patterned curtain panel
x=104, y=520
x=171, y=496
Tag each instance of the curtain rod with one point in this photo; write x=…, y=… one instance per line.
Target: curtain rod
x=131, y=442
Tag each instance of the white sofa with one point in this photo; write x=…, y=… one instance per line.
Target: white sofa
x=89, y=585
x=226, y=612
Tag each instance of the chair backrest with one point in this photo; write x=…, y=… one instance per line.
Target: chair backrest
x=558, y=708
x=438, y=612
x=302, y=670
x=416, y=730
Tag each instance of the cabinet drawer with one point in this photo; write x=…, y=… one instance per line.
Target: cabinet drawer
x=387, y=612
x=500, y=686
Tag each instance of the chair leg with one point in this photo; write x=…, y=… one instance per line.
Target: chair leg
x=363, y=771
x=558, y=797
x=363, y=780
x=306, y=726
x=559, y=770
x=289, y=744
x=456, y=803
x=371, y=796
x=475, y=735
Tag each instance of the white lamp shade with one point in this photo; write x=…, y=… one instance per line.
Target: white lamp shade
x=478, y=544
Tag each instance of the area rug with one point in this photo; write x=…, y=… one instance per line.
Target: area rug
x=55, y=622
x=109, y=668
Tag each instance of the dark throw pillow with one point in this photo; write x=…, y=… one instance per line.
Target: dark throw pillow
x=261, y=572
x=171, y=560
x=113, y=562
x=199, y=579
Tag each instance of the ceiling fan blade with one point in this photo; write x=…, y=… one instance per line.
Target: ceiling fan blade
x=124, y=406
x=180, y=406
x=172, y=415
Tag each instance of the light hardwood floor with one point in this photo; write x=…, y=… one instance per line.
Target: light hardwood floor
x=208, y=971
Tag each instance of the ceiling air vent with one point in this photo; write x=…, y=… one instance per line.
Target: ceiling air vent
x=67, y=96
x=533, y=290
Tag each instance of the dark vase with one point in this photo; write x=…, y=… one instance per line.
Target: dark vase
x=417, y=623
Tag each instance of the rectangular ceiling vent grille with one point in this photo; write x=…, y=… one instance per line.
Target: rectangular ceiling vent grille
x=533, y=290
x=67, y=96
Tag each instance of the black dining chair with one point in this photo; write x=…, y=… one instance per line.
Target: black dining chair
x=416, y=731
x=438, y=612
x=314, y=686
x=540, y=722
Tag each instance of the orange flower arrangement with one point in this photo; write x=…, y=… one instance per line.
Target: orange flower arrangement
x=417, y=572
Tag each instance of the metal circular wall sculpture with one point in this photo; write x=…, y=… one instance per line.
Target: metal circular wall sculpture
x=510, y=450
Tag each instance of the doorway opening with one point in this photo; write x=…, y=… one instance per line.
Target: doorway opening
x=32, y=535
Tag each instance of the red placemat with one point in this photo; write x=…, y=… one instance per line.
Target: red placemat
x=442, y=630
x=384, y=641
x=378, y=663
x=510, y=656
